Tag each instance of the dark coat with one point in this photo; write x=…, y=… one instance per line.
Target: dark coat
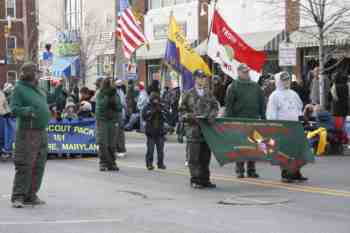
x=155, y=118
x=340, y=107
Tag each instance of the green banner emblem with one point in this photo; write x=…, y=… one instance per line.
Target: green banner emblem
x=282, y=143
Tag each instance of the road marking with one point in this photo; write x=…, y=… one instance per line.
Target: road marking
x=79, y=221
x=257, y=182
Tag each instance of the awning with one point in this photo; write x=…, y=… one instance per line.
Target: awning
x=304, y=38
x=65, y=66
x=261, y=41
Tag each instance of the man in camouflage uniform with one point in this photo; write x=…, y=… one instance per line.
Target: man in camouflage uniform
x=29, y=105
x=198, y=102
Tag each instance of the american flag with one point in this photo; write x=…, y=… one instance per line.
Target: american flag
x=128, y=30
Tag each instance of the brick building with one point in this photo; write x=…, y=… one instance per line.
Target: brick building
x=20, y=42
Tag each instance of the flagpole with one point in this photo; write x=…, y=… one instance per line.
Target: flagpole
x=209, y=34
x=116, y=42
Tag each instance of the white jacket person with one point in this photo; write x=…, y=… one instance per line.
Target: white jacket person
x=284, y=103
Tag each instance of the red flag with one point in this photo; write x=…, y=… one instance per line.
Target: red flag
x=242, y=52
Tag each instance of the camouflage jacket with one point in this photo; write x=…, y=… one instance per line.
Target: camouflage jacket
x=193, y=106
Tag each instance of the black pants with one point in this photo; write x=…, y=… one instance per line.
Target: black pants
x=250, y=167
x=199, y=160
x=151, y=143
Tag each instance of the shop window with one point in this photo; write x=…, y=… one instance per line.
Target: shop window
x=11, y=44
x=11, y=77
x=11, y=8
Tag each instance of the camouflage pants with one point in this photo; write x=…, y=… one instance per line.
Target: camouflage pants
x=199, y=160
x=106, y=139
x=30, y=160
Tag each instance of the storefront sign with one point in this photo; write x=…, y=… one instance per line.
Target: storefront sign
x=287, y=54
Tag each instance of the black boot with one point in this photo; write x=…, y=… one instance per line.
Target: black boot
x=240, y=170
x=286, y=177
x=299, y=177
x=253, y=174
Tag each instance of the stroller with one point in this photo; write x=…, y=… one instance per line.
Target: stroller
x=326, y=134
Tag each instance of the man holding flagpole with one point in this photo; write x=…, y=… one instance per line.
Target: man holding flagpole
x=245, y=99
x=198, y=103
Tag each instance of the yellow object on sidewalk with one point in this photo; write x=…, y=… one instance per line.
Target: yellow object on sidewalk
x=322, y=133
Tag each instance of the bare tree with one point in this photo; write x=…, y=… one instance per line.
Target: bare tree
x=328, y=16
x=90, y=40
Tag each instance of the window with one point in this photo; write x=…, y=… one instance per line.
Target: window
x=12, y=77
x=11, y=43
x=11, y=8
x=105, y=65
x=155, y=4
x=72, y=14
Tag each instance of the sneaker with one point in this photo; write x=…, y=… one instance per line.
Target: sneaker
x=121, y=155
x=240, y=175
x=114, y=168
x=209, y=185
x=150, y=167
x=253, y=175
x=17, y=204
x=162, y=167
x=197, y=186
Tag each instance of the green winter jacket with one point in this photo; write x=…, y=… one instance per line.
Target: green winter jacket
x=108, y=105
x=29, y=105
x=244, y=99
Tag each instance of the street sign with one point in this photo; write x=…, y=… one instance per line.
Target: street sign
x=287, y=55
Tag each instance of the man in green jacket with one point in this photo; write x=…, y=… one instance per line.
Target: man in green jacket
x=245, y=99
x=29, y=105
x=108, y=114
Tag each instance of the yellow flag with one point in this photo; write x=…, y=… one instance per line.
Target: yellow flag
x=189, y=58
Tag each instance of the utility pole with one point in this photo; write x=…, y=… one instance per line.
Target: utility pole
x=25, y=29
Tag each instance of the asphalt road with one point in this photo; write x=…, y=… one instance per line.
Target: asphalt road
x=83, y=200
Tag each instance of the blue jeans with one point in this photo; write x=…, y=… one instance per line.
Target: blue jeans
x=134, y=118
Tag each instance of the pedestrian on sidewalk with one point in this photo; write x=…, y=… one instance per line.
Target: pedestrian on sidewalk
x=198, y=102
x=29, y=105
x=245, y=99
x=285, y=104
x=155, y=115
x=108, y=113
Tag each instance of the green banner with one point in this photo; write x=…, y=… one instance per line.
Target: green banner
x=282, y=143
